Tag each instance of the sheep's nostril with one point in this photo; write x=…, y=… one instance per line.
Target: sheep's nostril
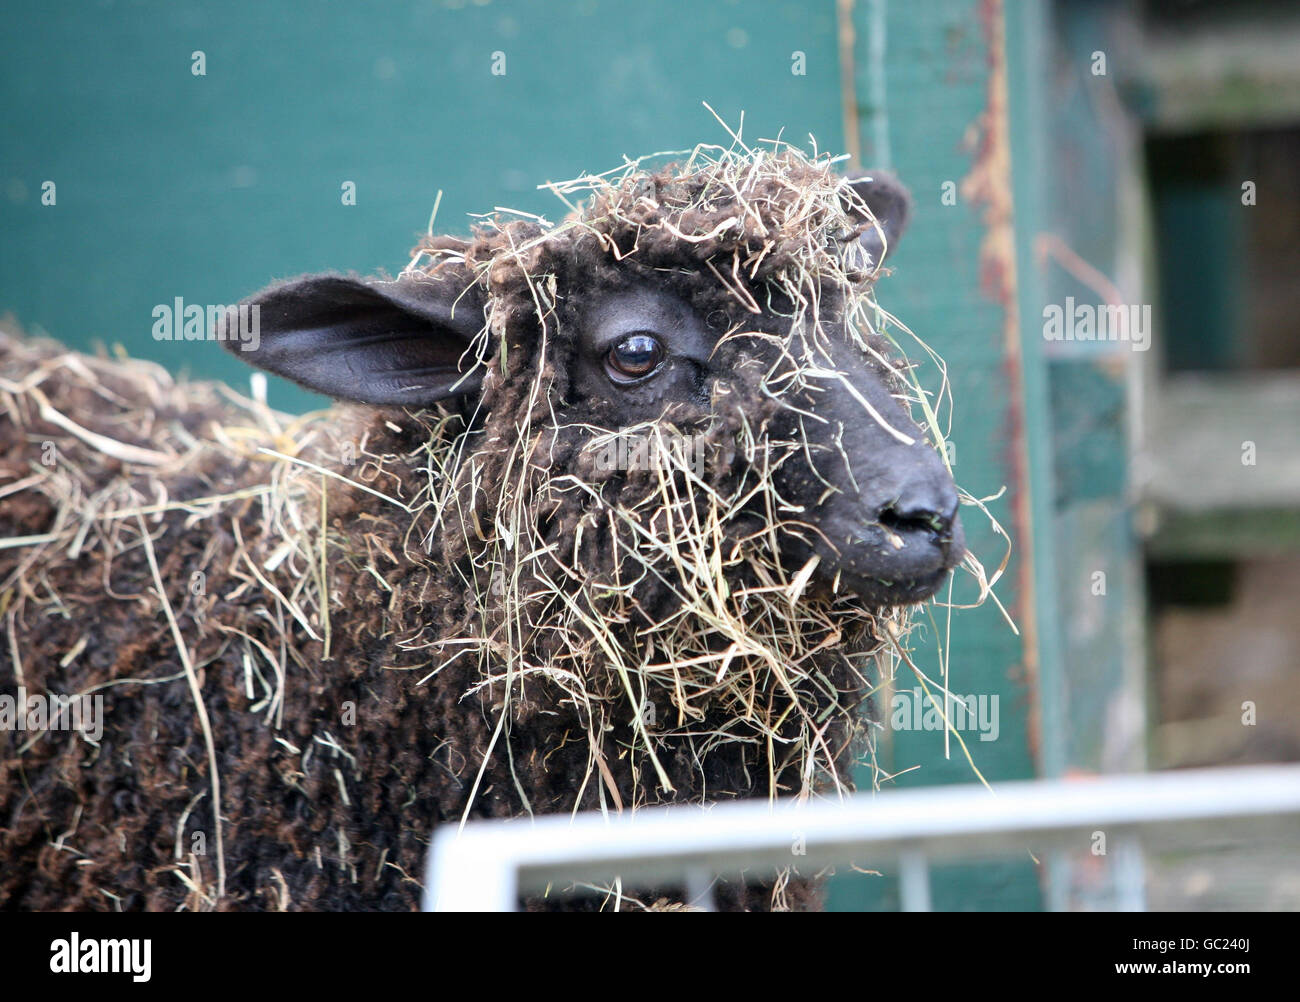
x=917, y=519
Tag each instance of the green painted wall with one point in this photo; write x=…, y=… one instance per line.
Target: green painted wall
x=1094, y=207
x=170, y=184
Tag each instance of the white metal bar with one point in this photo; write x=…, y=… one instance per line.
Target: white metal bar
x=1056, y=890
x=490, y=862
x=1128, y=872
x=699, y=889
x=914, y=881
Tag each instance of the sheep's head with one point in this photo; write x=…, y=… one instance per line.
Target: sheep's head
x=674, y=402
x=674, y=333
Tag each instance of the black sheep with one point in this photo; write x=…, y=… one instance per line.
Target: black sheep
x=629, y=505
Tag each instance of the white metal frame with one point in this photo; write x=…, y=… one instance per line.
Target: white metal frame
x=488, y=864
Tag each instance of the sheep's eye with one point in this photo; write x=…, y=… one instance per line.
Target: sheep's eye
x=636, y=356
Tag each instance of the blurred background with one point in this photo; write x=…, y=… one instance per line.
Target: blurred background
x=1135, y=154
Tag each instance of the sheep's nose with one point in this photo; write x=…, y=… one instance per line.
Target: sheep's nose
x=924, y=509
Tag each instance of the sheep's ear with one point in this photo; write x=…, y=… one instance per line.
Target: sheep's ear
x=405, y=342
x=889, y=203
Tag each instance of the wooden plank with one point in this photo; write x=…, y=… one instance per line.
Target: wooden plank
x=1224, y=442
x=942, y=117
x=1234, y=68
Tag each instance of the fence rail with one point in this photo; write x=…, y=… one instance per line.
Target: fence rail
x=489, y=864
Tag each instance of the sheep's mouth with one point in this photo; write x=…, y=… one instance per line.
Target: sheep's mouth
x=893, y=560
x=897, y=591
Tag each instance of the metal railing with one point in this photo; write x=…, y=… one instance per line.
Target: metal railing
x=489, y=864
